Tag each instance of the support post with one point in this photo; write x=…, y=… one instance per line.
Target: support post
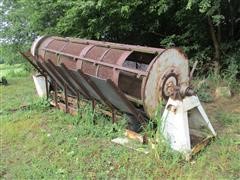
x=78, y=102
x=93, y=104
x=93, y=109
x=66, y=98
x=113, y=116
x=55, y=93
x=46, y=84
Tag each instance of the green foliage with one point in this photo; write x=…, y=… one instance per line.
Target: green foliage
x=203, y=91
x=217, y=19
x=40, y=103
x=230, y=75
x=228, y=118
x=157, y=23
x=16, y=70
x=10, y=54
x=228, y=78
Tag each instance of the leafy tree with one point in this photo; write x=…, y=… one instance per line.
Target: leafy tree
x=207, y=30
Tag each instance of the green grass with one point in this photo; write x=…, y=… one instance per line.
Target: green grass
x=16, y=70
x=42, y=142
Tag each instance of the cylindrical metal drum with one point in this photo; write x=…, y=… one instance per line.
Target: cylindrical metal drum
x=143, y=74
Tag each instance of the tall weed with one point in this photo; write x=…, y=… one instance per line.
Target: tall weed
x=230, y=76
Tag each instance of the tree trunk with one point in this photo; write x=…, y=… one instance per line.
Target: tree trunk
x=216, y=46
x=219, y=32
x=232, y=19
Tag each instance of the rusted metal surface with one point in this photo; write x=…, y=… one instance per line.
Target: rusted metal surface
x=124, y=77
x=73, y=108
x=66, y=97
x=133, y=135
x=170, y=67
x=77, y=83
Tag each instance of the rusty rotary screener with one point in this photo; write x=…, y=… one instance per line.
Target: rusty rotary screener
x=132, y=79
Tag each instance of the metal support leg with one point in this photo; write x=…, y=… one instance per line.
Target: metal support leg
x=93, y=109
x=55, y=93
x=93, y=104
x=78, y=100
x=66, y=98
x=46, y=83
x=113, y=116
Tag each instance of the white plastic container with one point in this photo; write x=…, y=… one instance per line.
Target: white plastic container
x=40, y=85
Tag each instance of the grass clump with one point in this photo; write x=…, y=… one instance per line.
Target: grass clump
x=228, y=118
x=204, y=92
x=226, y=78
x=206, y=87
